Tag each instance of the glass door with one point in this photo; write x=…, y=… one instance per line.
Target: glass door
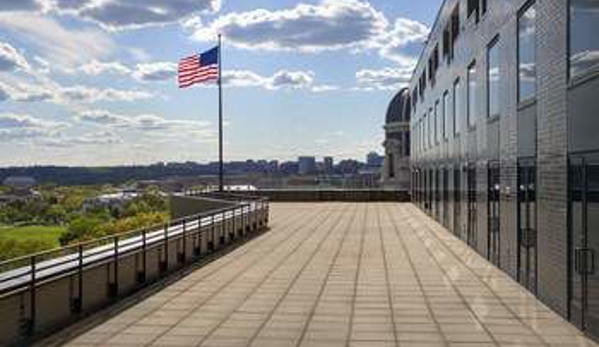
x=584, y=242
x=527, y=223
x=446, y=198
x=493, y=210
x=457, y=202
x=437, y=197
x=471, y=229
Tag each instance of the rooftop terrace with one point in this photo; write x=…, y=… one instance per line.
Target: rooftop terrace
x=339, y=274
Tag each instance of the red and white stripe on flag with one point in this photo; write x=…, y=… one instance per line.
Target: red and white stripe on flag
x=191, y=71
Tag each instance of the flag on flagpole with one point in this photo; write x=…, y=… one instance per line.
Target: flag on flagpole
x=199, y=68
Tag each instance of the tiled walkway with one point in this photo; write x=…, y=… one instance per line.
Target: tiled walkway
x=334, y=274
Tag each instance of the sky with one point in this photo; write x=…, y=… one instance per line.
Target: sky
x=93, y=82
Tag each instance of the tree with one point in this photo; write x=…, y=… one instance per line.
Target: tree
x=81, y=229
x=56, y=214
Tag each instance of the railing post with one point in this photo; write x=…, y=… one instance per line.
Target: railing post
x=239, y=225
x=211, y=245
x=32, y=297
x=246, y=217
x=165, y=237
x=141, y=278
x=79, y=304
x=254, y=223
x=223, y=227
x=198, y=247
x=114, y=290
x=184, y=253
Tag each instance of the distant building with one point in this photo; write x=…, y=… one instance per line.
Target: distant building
x=328, y=165
x=396, y=165
x=307, y=165
x=20, y=185
x=348, y=167
x=289, y=168
x=374, y=159
x=21, y=189
x=114, y=201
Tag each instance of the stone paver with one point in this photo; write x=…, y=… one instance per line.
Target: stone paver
x=342, y=274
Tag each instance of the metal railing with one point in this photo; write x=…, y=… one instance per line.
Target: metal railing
x=198, y=234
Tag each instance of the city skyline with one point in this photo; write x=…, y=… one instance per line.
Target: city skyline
x=87, y=85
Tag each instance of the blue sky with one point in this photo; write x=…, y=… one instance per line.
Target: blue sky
x=90, y=82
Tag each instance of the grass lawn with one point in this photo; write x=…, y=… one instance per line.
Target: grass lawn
x=34, y=232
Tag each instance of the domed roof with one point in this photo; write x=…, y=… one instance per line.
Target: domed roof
x=397, y=107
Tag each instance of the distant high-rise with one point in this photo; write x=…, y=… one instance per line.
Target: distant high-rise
x=328, y=165
x=374, y=159
x=307, y=165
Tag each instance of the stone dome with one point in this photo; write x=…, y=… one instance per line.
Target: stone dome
x=398, y=110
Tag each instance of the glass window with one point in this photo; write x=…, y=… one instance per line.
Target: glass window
x=431, y=128
x=437, y=123
x=473, y=8
x=527, y=69
x=446, y=115
x=472, y=95
x=493, y=80
x=458, y=107
x=415, y=138
x=421, y=127
x=584, y=45
x=424, y=145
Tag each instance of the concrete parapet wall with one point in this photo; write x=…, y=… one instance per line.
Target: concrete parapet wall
x=284, y=195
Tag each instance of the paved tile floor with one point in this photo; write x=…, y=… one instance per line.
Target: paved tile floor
x=340, y=274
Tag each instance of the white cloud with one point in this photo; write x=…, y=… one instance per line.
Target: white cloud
x=95, y=68
x=292, y=79
x=384, y=79
x=243, y=78
x=143, y=122
x=330, y=25
x=91, y=95
x=324, y=88
x=22, y=126
x=11, y=59
x=63, y=47
x=403, y=33
x=103, y=117
x=280, y=80
x=52, y=92
x=123, y=14
x=25, y=92
x=101, y=137
x=157, y=71
x=143, y=72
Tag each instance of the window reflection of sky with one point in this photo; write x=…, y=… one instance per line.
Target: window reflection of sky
x=472, y=95
x=584, y=55
x=527, y=62
x=494, y=79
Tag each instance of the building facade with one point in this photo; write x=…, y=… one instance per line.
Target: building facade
x=396, y=164
x=505, y=151
x=307, y=165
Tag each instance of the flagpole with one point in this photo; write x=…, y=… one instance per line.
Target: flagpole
x=220, y=119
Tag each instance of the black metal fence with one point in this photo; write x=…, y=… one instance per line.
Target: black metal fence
x=146, y=255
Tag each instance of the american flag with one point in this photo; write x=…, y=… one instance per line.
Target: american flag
x=199, y=68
